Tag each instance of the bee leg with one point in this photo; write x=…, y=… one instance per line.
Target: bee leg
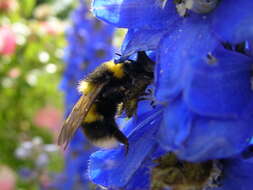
x=155, y=103
x=145, y=98
x=151, y=99
x=149, y=92
x=147, y=95
x=121, y=138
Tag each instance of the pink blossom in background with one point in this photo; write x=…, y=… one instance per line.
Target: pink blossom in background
x=7, y=41
x=7, y=178
x=8, y=5
x=14, y=73
x=49, y=117
x=45, y=180
x=52, y=27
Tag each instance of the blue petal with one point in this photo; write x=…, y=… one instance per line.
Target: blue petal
x=175, y=126
x=141, y=179
x=112, y=168
x=141, y=40
x=212, y=139
x=221, y=89
x=135, y=13
x=196, y=138
x=186, y=44
x=233, y=21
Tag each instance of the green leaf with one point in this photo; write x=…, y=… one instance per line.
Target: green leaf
x=27, y=7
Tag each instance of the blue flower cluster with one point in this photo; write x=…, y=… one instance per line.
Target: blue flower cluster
x=89, y=44
x=203, y=88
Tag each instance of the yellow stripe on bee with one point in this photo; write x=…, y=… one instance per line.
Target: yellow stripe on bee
x=93, y=115
x=85, y=87
x=116, y=69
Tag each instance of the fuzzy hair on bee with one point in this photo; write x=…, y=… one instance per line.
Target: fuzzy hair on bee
x=110, y=86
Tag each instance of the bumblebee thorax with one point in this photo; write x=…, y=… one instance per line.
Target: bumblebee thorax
x=116, y=69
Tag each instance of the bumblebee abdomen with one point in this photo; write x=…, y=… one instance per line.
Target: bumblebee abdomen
x=97, y=129
x=104, y=134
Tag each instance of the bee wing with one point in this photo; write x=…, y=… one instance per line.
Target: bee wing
x=75, y=118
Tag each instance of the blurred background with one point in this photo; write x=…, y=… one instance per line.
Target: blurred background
x=35, y=59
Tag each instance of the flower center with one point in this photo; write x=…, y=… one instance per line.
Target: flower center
x=181, y=175
x=197, y=6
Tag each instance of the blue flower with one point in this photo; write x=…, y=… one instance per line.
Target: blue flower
x=202, y=83
x=202, y=75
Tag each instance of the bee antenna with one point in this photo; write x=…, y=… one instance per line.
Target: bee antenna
x=122, y=59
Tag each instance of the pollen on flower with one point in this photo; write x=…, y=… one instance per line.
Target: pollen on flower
x=183, y=175
x=210, y=59
x=197, y=6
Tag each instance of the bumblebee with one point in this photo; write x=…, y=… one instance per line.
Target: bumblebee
x=108, y=87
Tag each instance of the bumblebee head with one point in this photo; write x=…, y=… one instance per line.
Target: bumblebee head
x=142, y=62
